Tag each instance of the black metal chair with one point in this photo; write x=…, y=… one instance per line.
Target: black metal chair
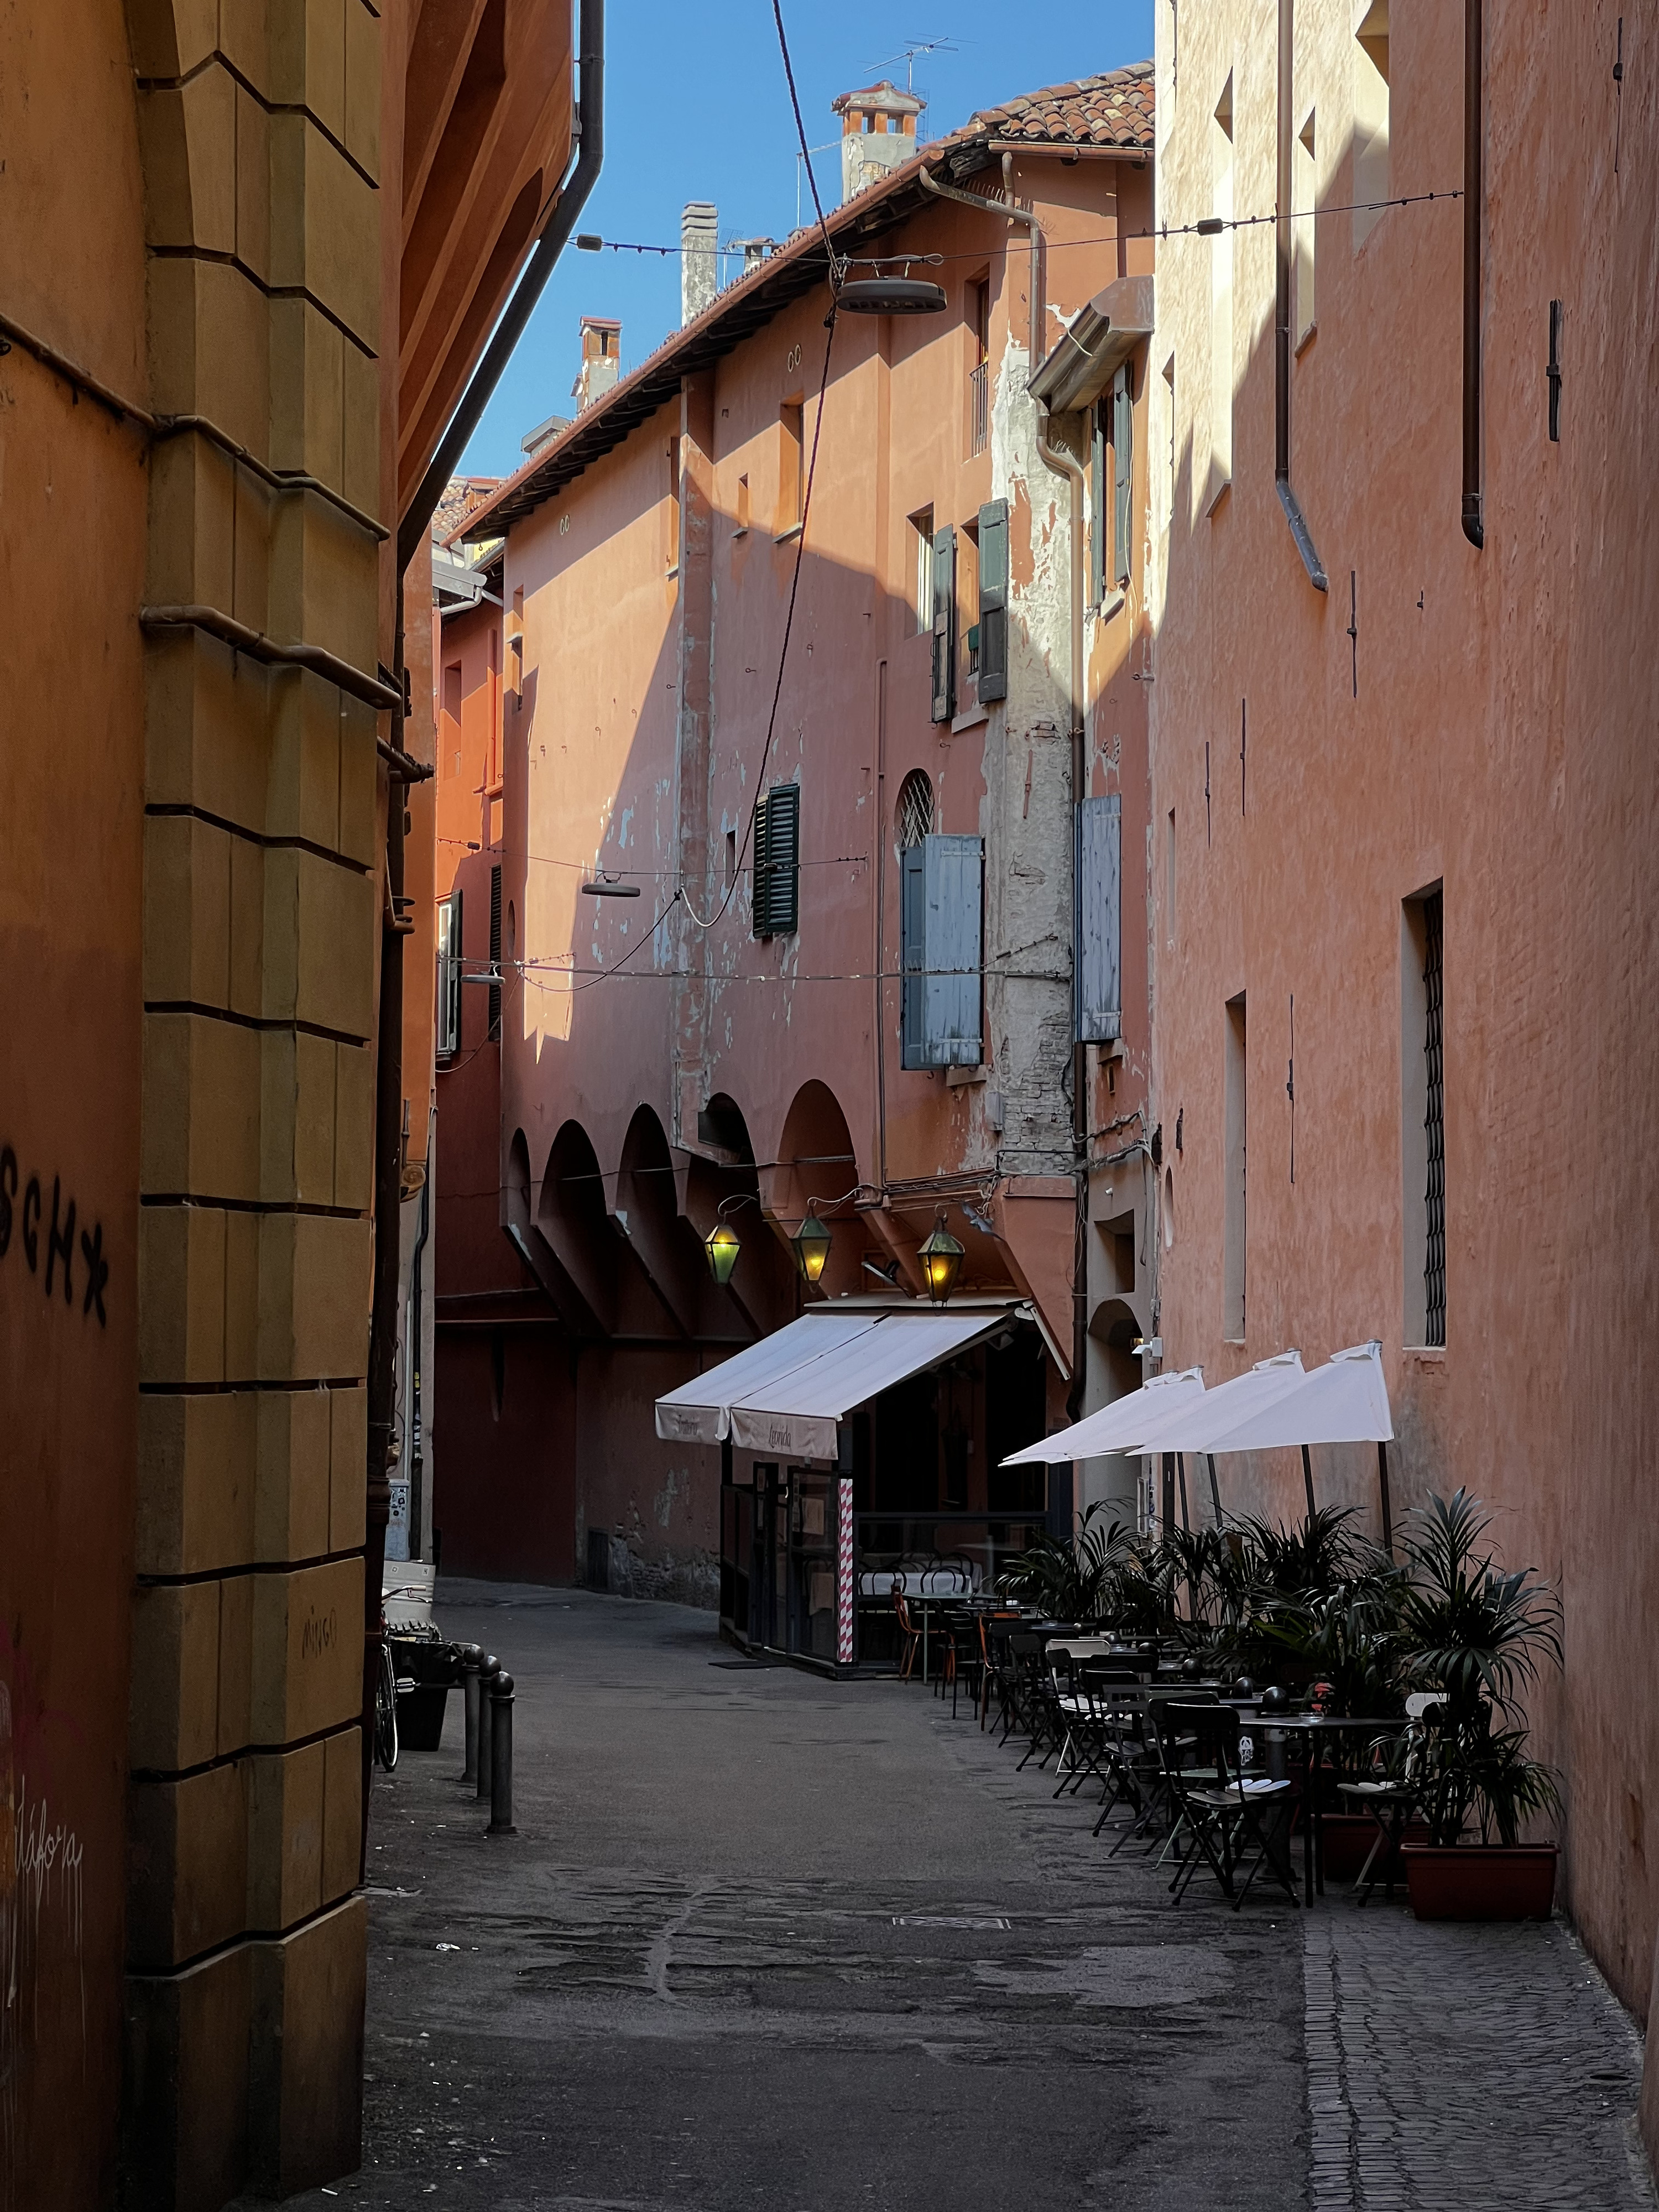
x=1226, y=1810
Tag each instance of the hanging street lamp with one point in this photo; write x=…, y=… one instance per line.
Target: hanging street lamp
x=941, y=1260
x=722, y=1247
x=811, y=1243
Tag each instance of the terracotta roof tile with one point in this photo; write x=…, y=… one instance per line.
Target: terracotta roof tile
x=1113, y=110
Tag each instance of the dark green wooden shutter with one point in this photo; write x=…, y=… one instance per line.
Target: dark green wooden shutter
x=1097, y=502
x=993, y=601
x=1122, y=470
x=777, y=861
x=944, y=623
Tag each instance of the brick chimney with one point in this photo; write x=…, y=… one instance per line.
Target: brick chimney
x=601, y=360
x=879, y=134
x=699, y=268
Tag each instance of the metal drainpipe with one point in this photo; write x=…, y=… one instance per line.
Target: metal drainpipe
x=1474, y=526
x=388, y=1065
x=416, y=1430
x=1060, y=464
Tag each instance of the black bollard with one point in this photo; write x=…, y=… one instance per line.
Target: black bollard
x=501, y=1757
x=470, y=1656
x=490, y=1667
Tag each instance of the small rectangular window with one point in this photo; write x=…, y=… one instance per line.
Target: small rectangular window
x=777, y=861
x=1233, y=1222
x=1169, y=879
x=1370, y=119
x=1304, y=194
x=494, y=955
x=979, y=389
x=921, y=532
x=1423, y=1117
x=673, y=505
x=967, y=617
x=731, y=858
x=792, y=466
x=448, y=1041
x=742, y=505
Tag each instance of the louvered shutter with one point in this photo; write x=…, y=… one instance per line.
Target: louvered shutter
x=993, y=601
x=944, y=623
x=1123, y=471
x=1098, y=901
x=777, y=861
x=912, y=958
x=955, y=869
x=494, y=954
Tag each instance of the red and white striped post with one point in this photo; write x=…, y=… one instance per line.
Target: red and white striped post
x=844, y=1571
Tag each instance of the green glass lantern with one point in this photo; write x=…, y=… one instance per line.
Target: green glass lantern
x=811, y=1243
x=941, y=1262
x=722, y=1247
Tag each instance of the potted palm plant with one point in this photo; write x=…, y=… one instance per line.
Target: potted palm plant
x=1476, y=1635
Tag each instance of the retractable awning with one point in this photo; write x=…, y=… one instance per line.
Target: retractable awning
x=1113, y=1428
x=700, y=1411
x=788, y=1392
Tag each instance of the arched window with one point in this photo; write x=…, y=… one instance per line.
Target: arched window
x=915, y=809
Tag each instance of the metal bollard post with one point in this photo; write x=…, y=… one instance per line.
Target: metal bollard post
x=471, y=1659
x=488, y=1669
x=501, y=1757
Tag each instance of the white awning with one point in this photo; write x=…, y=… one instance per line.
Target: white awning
x=798, y=1412
x=699, y=1412
x=788, y=1392
x=1344, y=1403
x=1195, y=1426
x=1114, y=1425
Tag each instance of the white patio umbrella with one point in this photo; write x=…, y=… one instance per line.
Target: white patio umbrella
x=1344, y=1403
x=1188, y=1427
x=1103, y=1431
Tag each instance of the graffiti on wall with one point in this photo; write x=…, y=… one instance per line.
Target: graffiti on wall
x=45, y=1244
x=42, y=1972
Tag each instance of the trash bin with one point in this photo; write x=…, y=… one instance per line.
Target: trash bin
x=425, y=1668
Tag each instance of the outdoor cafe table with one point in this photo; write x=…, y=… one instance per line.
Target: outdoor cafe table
x=1313, y=1730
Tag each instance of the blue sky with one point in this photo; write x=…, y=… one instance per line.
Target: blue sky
x=697, y=108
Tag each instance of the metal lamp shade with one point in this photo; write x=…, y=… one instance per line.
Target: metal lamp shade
x=811, y=1243
x=892, y=295
x=941, y=1260
x=722, y=1247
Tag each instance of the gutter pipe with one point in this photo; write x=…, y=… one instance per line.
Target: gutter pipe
x=1474, y=186
x=388, y=1060
x=1060, y=463
x=1287, y=498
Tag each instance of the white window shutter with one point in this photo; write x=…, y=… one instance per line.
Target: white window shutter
x=1098, y=905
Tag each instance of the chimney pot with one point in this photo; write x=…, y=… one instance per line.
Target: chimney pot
x=699, y=266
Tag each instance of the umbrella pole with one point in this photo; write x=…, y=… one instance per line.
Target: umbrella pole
x=1181, y=1466
x=1307, y=1476
x=1383, y=1486
x=1168, y=1514
x=1215, y=1495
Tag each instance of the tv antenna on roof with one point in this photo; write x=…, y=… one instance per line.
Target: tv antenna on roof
x=907, y=56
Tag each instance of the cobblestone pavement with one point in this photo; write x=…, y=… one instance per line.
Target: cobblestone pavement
x=1455, y=2067
x=766, y=1942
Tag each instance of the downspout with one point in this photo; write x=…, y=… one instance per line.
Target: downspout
x=413, y=1428
x=1060, y=464
x=1287, y=498
x=1474, y=186
x=388, y=1063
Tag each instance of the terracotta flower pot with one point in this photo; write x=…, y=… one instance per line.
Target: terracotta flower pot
x=1480, y=1882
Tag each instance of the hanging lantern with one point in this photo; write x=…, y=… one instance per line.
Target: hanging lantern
x=811, y=1243
x=941, y=1260
x=722, y=1247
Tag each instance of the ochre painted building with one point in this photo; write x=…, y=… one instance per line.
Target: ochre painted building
x=1406, y=826
x=718, y=1033
x=247, y=260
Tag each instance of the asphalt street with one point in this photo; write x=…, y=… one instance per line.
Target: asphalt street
x=765, y=1943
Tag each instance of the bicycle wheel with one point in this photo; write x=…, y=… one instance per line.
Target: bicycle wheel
x=386, y=1711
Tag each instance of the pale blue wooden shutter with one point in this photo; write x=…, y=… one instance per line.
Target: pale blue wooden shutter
x=912, y=938
x=993, y=601
x=944, y=623
x=1098, y=903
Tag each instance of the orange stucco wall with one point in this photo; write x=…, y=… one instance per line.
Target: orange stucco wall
x=73, y=493
x=1490, y=728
